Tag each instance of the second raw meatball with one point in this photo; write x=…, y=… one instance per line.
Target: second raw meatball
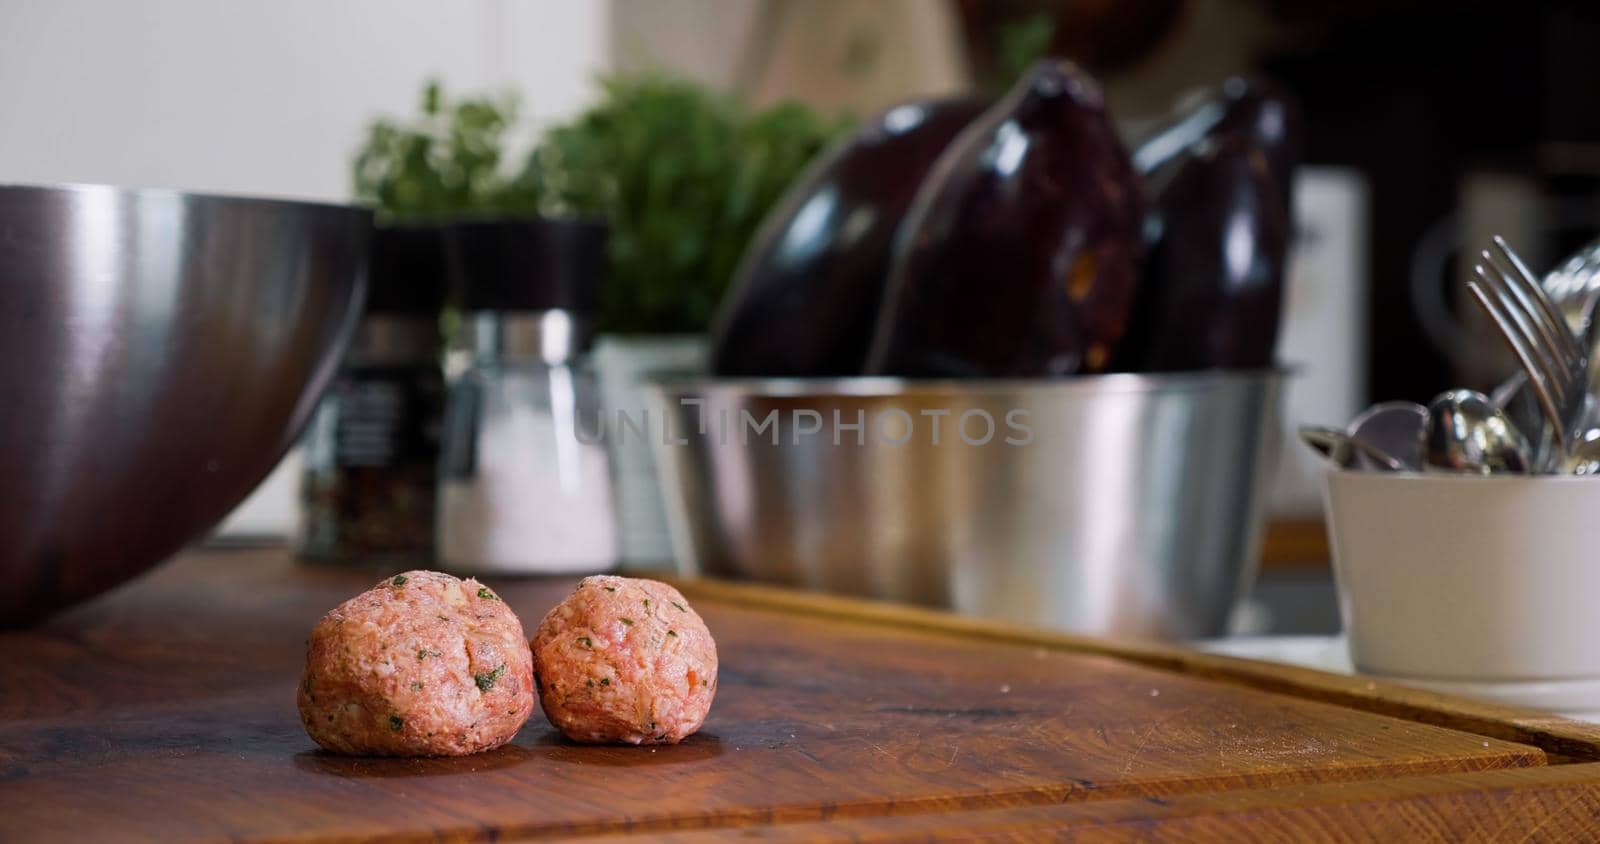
x=625, y=660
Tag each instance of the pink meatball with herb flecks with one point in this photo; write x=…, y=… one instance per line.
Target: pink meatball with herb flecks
x=423, y=664
x=625, y=660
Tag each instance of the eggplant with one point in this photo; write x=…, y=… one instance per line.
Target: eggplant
x=1218, y=233
x=1021, y=254
x=1256, y=107
x=805, y=299
x=1214, y=280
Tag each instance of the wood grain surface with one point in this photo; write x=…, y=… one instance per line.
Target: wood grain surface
x=1296, y=545
x=165, y=712
x=1532, y=804
x=1562, y=739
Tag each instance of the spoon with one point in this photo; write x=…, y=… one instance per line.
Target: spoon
x=1393, y=427
x=1466, y=433
x=1585, y=457
x=1342, y=449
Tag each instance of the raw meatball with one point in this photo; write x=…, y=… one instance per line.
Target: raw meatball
x=422, y=664
x=625, y=660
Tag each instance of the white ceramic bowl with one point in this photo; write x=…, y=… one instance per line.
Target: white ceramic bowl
x=1466, y=583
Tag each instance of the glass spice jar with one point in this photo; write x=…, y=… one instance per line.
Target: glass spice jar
x=371, y=454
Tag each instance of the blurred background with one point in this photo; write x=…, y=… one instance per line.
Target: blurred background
x=1428, y=125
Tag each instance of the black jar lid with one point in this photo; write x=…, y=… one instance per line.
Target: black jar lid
x=529, y=265
x=409, y=273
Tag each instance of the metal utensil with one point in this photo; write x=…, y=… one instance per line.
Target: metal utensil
x=1467, y=433
x=1393, y=427
x=159, y=351
x=1575, y=288
x=1132, y=507
x=1574, y=285
x=1343, y=449
x=1557, y=367
x=1585, y=457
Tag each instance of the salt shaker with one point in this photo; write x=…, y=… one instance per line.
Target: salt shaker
x=525, y=486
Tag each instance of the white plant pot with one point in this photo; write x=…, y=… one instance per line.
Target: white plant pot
x=624, y=364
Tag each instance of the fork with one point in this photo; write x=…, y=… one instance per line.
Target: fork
x=1574, y=287
x=1556, y=364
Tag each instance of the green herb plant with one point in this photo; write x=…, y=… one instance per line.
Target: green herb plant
x=445, y=164
x=1022, y=42
x=684, y=176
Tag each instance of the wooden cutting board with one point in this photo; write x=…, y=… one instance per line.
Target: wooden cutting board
x=165, y=712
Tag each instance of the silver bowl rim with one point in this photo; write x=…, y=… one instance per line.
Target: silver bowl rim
x=870, y=386
x=93, y=188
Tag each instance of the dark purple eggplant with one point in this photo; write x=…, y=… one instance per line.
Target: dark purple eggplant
x=805, y=299
x=1218, y=232
x=1214, y=279
x=1020, y=256
x=1255, y=107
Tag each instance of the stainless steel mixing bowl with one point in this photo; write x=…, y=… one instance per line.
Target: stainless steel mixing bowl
x=158, y=353
x=1132, y=505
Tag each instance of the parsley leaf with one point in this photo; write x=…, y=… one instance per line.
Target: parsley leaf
x=486, y=681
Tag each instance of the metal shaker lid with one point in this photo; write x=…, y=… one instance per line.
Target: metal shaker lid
x=541, y=264
x=408, y=273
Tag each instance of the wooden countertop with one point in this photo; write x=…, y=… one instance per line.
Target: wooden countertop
x=165, y=712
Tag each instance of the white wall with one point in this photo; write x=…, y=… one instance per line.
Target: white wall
x=261, y=96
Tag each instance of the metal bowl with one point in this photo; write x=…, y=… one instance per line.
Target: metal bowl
x=1130, y=505
x=158, y=353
